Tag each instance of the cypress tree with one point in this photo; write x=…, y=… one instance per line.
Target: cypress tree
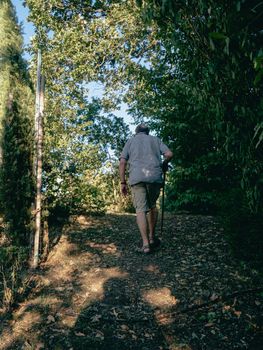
x=16, y=121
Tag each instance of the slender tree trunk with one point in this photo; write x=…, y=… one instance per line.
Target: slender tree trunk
x=39, y=154
x=45, y=239
x=37, y=111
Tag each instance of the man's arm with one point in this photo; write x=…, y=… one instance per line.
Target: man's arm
x=122, y=169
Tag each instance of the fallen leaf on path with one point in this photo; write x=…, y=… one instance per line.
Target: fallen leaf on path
x=95, y=318
x=213, y=297
x=99, y=335
x=79, y=334
x=209, y=324
x=124, y=327
x=50, y=319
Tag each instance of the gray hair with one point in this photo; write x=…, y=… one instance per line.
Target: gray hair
x=142, y=128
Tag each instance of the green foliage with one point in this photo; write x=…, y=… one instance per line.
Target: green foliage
x=79, y=141
x=209, y=78
x=16, y=130
x=9, y=254
x=243, y=228
x=81, y=135
x=12, y=261
x=16, y=173
x=109, y=183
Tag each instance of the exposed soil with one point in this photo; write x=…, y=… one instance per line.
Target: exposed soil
x=95, y=291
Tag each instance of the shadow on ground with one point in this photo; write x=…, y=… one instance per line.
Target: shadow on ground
x=96, y=292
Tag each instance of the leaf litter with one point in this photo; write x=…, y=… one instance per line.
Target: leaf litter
x=96, y=292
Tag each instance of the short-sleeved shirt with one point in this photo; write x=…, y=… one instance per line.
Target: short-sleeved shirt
x=143, y=153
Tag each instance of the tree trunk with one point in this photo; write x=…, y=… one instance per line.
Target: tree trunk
x=38, y=162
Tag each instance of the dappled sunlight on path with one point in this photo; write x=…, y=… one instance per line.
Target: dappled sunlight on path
x=96, y=292
x=160, y=297
x=70, y=280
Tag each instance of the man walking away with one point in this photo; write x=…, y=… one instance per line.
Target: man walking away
x=143, y=154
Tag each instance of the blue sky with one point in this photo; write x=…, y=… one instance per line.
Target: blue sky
x=22, y=14
x=28, y=32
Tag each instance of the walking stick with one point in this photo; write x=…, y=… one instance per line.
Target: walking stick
x=164, y=173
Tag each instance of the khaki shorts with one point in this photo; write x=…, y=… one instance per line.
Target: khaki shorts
x=145, y=195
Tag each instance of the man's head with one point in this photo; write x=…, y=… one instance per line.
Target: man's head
x=142, y=128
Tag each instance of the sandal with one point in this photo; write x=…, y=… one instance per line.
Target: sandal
x=145, y=249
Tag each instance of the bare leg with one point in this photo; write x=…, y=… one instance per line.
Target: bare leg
x=152, y=220
x=142, y=224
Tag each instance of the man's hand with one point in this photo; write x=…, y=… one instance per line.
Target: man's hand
x=165, y=166
x=124, y=190
x=168, y=155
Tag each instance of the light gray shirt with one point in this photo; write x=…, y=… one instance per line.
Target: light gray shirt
x=143, y=153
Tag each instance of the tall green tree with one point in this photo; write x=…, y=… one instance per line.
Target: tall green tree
x=16, y=119
x=219, y=45
x=80, y=141
x=82, y=136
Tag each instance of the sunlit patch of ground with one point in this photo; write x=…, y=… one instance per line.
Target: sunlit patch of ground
x=85, y=221
x=92, y=284
x=105, y=248
x=153, y=268
x=20, y=328
x=160, y=297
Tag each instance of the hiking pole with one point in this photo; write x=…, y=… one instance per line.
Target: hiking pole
x=164, y=173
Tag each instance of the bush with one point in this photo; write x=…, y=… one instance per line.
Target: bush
x=193, y=201
x=12, y=261
x=243, y=228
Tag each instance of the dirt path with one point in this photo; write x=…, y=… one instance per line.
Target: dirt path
x=96, y=292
